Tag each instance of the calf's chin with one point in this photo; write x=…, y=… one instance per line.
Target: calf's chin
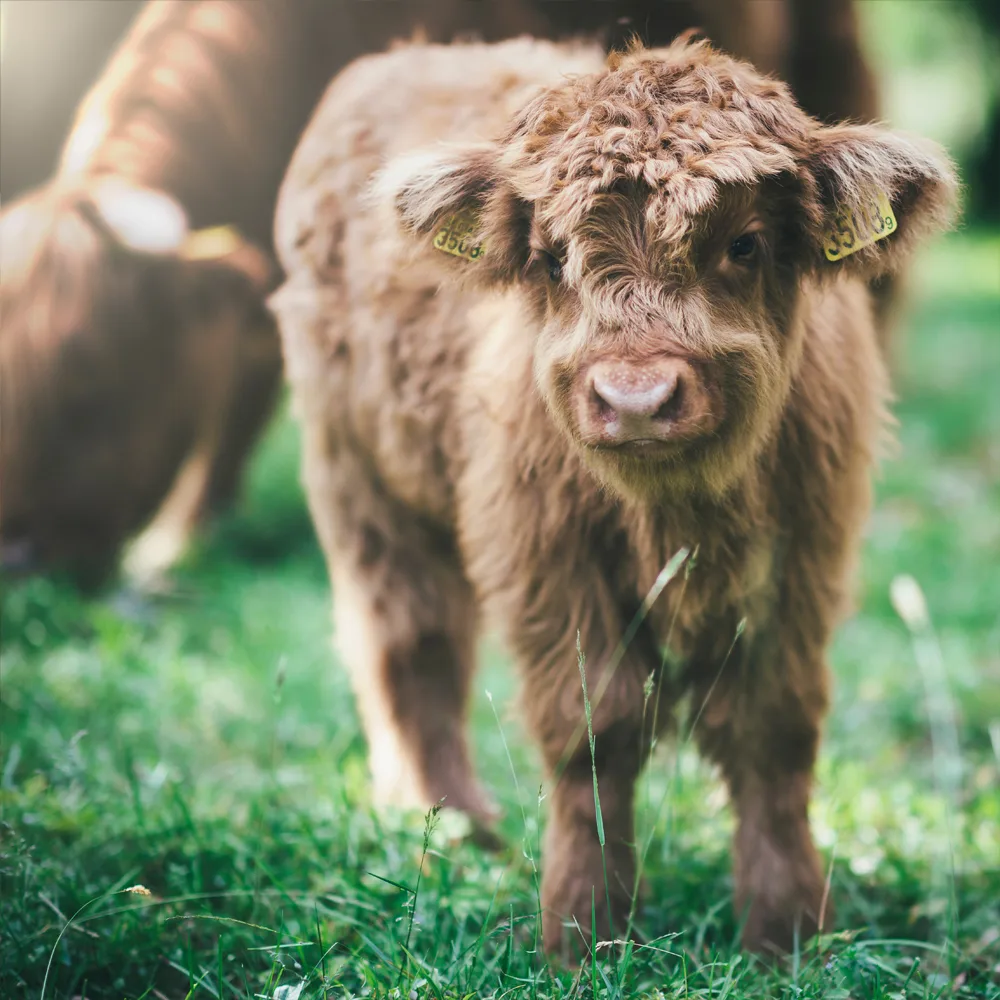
x=730, y=407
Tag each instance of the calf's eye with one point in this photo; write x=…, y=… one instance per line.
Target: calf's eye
x=743, y=247
x=553, y=265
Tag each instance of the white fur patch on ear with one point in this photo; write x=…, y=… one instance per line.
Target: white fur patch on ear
x=142, y=219
x=422, y=185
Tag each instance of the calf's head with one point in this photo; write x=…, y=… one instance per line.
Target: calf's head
x=664, y=221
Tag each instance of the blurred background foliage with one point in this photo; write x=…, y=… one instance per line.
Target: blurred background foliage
x=938, y=63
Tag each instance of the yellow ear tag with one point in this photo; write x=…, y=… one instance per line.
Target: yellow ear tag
x=212, y=243
x=859, y=228
x=454, y=237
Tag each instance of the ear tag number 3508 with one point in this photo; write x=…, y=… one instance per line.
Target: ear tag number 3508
x=855, y=229
x=454, y=237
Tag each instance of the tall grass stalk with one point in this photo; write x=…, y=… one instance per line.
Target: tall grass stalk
x=911, y=606
x=526, y=842
x=430, y=821
x=582, y=664
x=139, y=890
x=669, y=571
x=689, y=566
x=672, y=786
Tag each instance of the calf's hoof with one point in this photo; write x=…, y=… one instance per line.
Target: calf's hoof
x=576, y=905
x=153, y=554
x=778, y=927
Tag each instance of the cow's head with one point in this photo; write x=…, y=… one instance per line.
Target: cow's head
x=662, y=219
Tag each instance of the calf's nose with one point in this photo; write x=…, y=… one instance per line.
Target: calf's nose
x=635, y=396
x=636, y=402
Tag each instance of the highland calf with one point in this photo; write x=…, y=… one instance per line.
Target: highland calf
x=590, y=314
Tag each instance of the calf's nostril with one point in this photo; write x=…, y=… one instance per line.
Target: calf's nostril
x=605, y=410
x=671, y=407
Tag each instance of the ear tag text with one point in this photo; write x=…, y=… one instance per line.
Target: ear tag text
x=855, y=229
x=455, y=237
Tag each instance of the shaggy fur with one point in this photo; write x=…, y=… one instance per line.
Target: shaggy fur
x=450, y=453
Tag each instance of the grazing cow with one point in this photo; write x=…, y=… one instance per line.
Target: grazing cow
x=202, y=103
x=588, y=315
x=137, y=364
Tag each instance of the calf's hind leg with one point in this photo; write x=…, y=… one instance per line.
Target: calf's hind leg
x=405, y=628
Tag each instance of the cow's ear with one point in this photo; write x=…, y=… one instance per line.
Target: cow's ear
x=879, y=194
x=141, y=219
x=454, y=202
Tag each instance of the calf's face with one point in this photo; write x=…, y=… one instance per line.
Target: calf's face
x=664, y=221
x=664, y=359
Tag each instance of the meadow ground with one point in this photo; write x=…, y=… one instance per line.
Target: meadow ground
x=205, y=745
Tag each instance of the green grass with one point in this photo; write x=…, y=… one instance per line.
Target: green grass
x=206, y=746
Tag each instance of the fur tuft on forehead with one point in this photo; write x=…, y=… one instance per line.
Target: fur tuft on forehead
x=667, y=132
x=680, y=120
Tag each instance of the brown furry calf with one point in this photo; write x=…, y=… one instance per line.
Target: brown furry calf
x=633, y=341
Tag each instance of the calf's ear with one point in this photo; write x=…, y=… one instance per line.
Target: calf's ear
x=453, y=202
x=880, y=194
